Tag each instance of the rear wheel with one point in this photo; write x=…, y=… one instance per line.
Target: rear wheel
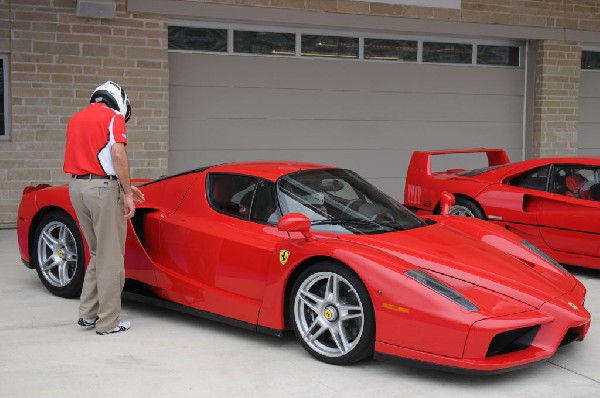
x=332, y=314
x=466, y=208
x=57, y=254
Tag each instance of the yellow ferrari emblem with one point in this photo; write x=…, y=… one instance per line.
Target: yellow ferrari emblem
x=284, y=255
x=573, y=306
x=328, y=314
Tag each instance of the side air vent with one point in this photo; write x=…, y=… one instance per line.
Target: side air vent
x=512, y=340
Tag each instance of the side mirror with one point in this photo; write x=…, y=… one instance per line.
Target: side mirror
x=296, y=222
x=447, y=201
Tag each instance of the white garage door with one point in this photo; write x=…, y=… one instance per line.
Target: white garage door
x=364, y=115
x=589, y=118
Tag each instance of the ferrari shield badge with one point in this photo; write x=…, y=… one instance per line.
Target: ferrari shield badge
x=283, y=256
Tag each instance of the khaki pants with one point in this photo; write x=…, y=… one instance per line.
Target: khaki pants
x=99, y=208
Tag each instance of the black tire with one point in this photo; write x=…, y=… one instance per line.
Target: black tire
x=339, y=330
x=57, y=254
x=467, y=208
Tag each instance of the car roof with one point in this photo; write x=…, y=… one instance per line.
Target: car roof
x=269, y=170
x=592, y=160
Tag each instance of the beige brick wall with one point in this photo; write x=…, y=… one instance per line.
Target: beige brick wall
x=556, y=117
x=56, y=60
x=572, y=14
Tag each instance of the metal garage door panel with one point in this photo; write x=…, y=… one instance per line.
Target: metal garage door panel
x=217, y=134
x=368, y=116
x=589, y=118
x=214, y=70
x=234, y=102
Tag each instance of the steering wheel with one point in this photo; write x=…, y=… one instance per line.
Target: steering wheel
x=353, y=205
x=383, y=216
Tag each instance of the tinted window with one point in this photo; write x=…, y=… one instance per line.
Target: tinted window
x=498, y=55
x=197, y=39
x=267, y=43
x=231, y=193
x=449, y=53
x=339, y=201
x=3, y=132
x=577, y=181
x=329, y=46
x=590, y=60
x=264, y=205
x=533, y=179
x=391, y=50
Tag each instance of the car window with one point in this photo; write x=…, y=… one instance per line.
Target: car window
x=533, y=179
x=577, y=181
x=264, y=206
x=339, y=201
x=231, y=193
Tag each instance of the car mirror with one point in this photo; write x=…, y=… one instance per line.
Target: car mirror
x=447, y=201
x=296, y=222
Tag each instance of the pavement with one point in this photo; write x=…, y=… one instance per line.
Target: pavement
x=43, y=353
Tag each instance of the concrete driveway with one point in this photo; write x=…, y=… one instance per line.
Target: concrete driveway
x=44, y=354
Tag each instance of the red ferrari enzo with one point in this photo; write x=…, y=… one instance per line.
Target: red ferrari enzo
x=553, y=203
x=276, y=245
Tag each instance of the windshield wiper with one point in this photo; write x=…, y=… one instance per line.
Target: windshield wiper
x=357, y=222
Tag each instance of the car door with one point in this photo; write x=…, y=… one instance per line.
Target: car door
x=214, y=257
x=570, y=222
x=515, y=202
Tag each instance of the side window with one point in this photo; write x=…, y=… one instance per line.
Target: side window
x=231, y=193
x=577, y=181
x=264, y=207
x=533, y=179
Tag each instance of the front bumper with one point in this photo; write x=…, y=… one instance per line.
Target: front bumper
x=536, y=337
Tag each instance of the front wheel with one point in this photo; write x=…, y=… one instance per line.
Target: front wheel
x=57, y=254
x=332, y=314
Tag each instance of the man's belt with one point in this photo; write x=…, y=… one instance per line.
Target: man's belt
x=93, y=177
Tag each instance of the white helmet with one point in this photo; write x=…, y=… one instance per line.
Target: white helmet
x=114, y=96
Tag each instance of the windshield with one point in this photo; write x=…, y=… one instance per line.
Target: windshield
x=339, y=201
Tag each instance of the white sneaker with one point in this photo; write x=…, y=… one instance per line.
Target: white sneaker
x=121, y=327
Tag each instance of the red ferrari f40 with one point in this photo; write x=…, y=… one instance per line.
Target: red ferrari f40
x=553, y=203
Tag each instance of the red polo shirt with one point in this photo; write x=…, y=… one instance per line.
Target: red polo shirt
x=90, y=135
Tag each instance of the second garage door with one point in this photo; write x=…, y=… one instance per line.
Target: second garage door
x=367, y=116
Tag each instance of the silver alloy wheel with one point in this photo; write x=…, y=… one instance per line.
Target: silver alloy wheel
x=458, y=210
x=329, y=314
x=57, y=254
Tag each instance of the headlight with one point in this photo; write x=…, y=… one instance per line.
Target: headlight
x=441, y=288
x=544, y=256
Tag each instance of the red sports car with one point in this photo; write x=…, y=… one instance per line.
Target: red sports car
x=553, y=203
x=277, y=245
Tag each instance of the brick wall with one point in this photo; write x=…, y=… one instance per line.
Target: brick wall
x=56, y=60
x=556, y=117
x=572, y=14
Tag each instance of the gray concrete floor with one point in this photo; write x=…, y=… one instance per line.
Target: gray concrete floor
x=44, y=354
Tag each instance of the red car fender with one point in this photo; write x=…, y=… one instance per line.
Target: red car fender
x=508, y=242
x=34, y=204
x=401, y=304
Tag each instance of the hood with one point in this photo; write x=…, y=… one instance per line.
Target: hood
x=447, y=252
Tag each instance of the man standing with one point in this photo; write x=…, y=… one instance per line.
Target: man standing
x=103, y=198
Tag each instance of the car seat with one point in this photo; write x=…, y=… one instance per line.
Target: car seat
x=574, y=185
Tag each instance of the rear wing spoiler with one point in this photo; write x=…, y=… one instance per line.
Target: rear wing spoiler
x=420, y=162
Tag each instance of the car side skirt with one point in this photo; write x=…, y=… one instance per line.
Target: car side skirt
x=139, y=292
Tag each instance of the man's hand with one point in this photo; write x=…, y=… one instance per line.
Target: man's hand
x=138, y=196
x=128, y=205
